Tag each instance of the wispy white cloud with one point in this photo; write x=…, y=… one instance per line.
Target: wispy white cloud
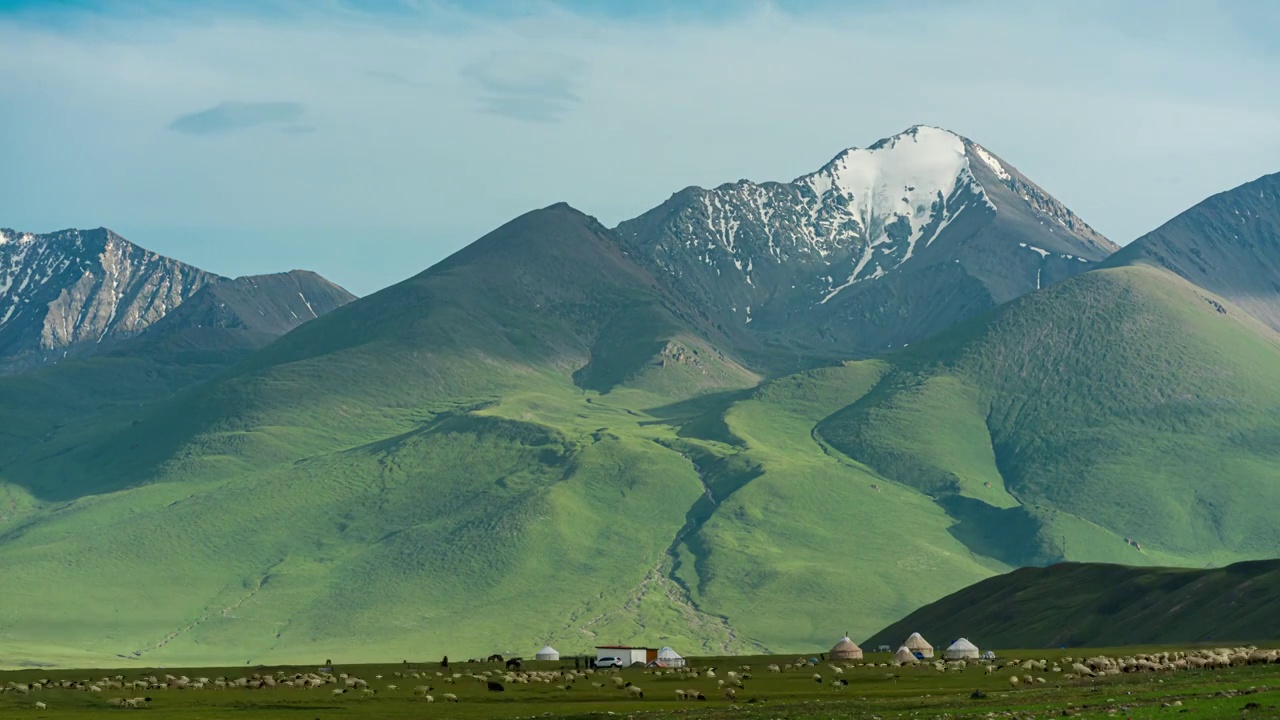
x=233, y=116
x=532, y=86
x=417, y=131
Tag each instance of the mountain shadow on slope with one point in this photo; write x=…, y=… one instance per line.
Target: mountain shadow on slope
x=56, y=412
x=228, y=318
x=1103, y=605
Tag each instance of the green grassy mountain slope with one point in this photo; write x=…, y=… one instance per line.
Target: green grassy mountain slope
x=493, y=454
x=1124, y=404
x=437, y=441
x=535, y=441
x=1096, y=605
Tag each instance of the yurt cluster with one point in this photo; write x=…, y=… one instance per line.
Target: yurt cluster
x=914, y=649
x=653, y=657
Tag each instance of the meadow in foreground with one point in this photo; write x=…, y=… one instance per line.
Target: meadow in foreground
x=822, y=690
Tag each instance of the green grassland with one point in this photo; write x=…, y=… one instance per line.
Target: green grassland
x=872, y=690
x=496, y=454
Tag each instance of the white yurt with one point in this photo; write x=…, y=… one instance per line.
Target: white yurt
x=917, y=644
x=669, y=658
x=547, y=653
x=846, y=649
x=904, y=656
x=961, y=650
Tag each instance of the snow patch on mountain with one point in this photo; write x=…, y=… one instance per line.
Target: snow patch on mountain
x=902, y=190
x=991, y=161
x=1041, y=252
x=906, y=178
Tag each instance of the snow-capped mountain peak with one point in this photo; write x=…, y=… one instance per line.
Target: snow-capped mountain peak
x=925, y=202
x=901, y=191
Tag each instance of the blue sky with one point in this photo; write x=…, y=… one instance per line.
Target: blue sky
x=368, y=140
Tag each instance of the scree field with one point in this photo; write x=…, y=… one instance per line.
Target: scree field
x=873, y=688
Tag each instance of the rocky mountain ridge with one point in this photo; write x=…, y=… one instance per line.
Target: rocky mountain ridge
x=74, y=293
x=838, y=258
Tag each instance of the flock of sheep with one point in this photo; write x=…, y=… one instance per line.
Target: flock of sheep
x=726, y=683
x=1070, y=668
x=339, y=684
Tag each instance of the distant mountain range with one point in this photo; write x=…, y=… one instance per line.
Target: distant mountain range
x=77, y=293
x=903, y=374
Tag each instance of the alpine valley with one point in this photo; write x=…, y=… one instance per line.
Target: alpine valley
x=750, y=419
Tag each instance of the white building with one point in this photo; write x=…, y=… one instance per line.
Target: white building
x=629, y=655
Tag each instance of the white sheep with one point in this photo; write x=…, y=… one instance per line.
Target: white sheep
x=41, y=706
x=429, y=698
x=450, y=697
x=635, y=691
